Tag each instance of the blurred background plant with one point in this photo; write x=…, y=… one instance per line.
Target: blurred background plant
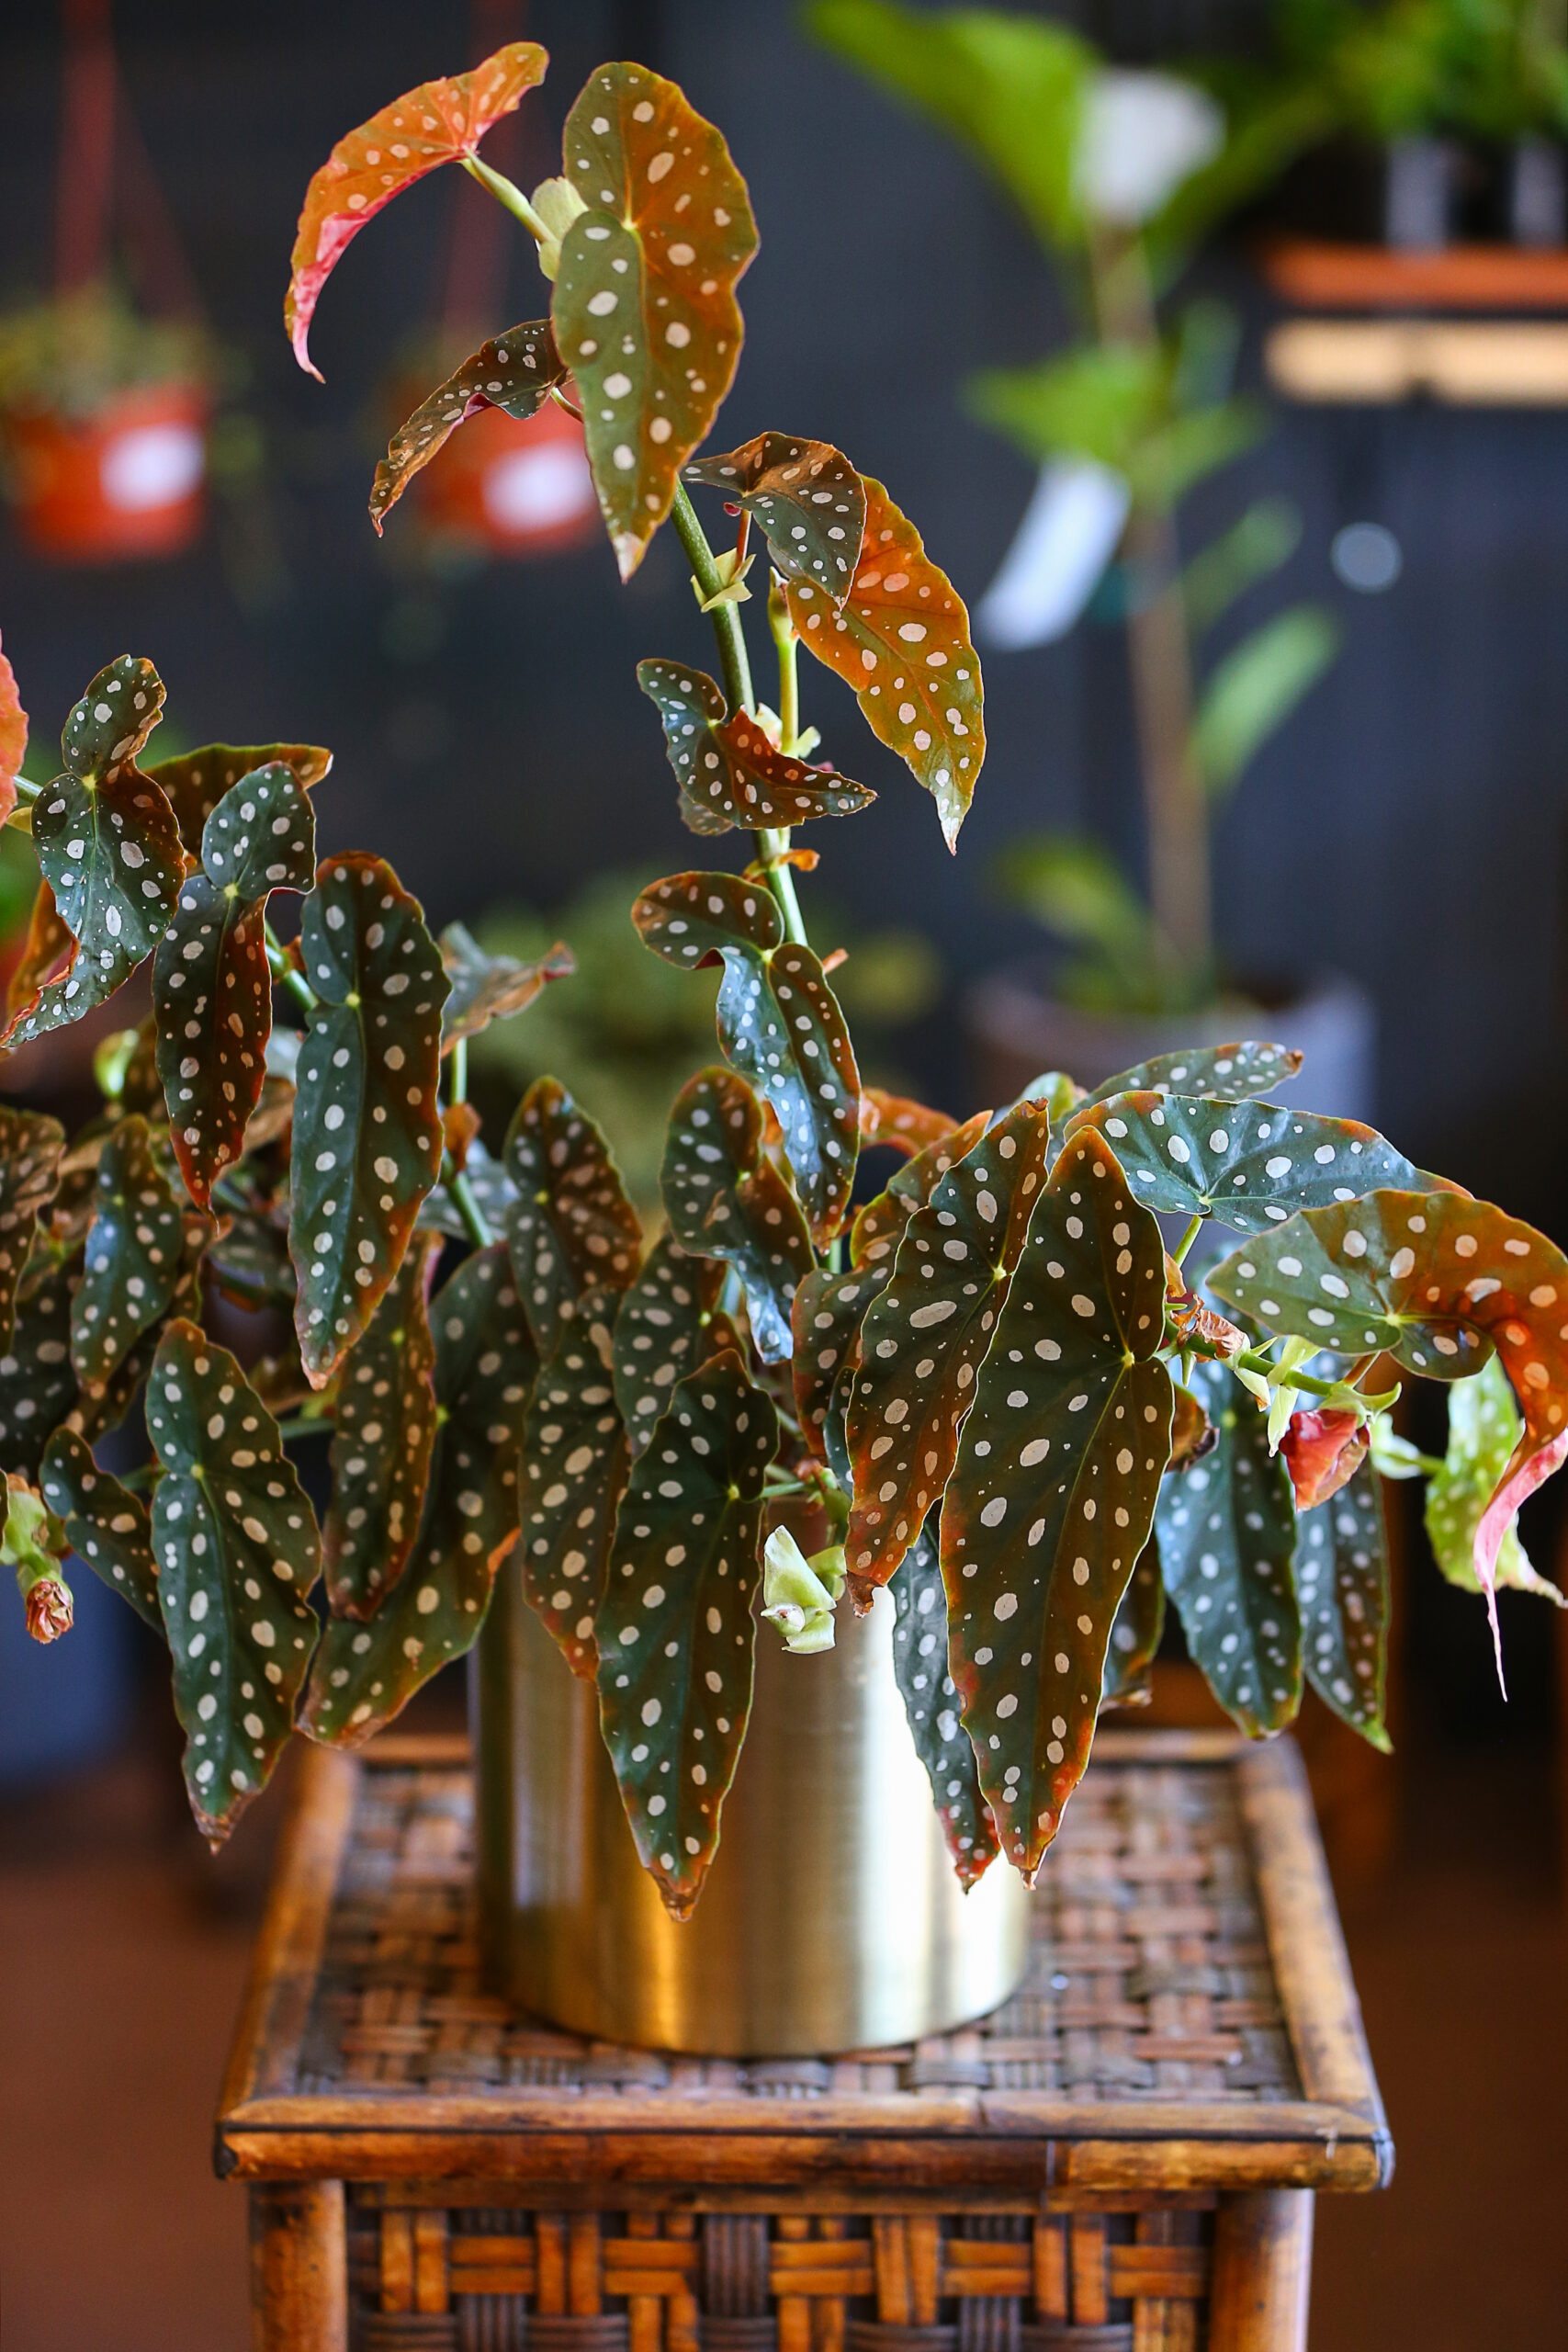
x=625, y=1031
x=1118, y=174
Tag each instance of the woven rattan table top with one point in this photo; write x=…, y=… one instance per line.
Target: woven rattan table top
x=1187, y=1989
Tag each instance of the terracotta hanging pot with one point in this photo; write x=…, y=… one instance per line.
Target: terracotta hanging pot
x=125, y=480
x=512, y=488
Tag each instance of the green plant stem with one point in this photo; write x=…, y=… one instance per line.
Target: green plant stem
x=502, y=189
x=787, y=642
x=467, y=1203
x=1252, y=1359
x=282, y=968
x=733, y=659
x=457, y=1079
x=1179, y=1254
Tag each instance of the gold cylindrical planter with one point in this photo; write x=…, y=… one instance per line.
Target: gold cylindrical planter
x=831, y=1919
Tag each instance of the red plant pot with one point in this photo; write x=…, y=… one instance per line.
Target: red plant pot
x=127, y=481
x=513, y=489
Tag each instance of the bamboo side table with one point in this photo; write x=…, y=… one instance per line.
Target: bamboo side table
x=1122, y=2159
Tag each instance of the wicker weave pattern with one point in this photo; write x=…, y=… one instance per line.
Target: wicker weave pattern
x=489, y=2280
x=1149, y=1978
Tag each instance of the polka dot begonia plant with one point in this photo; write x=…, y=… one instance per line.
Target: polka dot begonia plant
x=981, y=1373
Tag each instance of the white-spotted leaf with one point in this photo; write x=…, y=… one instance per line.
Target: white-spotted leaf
x=669, y=1323
x=1485, y=1426
x=31, y=1145
x=809, y=498
x=724, y=1198
x=134, y=1253
x=571, y=1224
x=574, y=1466
x=382, y=1442
x=930, y=1703
x=1343, y=1590
x=1247, y=1068
x=730, y=771
x=106, y=1524
x=1135, y=1632
x=195, y=782
x=514, y=372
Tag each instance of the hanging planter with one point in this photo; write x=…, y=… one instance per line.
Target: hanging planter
x=127, y=480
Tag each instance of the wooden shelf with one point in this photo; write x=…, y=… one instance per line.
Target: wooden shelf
x=1321, y=277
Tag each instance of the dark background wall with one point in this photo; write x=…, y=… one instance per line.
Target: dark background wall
x=491, y=739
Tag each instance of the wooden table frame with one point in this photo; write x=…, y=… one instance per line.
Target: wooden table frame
x=1006, y=2151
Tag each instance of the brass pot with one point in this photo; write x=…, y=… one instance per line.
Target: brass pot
x=831, y=1919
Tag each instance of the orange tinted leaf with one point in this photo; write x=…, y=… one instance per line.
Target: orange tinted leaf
x=491, y=988
x=901, y=640
x=809, y=498
x=48, y=952
x=192, y=782
x=1322, y=1452
x=893, y=1119
x=13, y=737
x=728, y=770
x=514, y=372
x=644, y=307
x=435, y=123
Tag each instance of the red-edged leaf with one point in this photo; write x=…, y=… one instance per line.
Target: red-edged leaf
x=675, y=1628
x=106, y=1524
x=924, y=1339
x=1227, y=1536
x=491, y=988
x=211, y=986
x=514, y=372
x=1437, y=1281
x=1247, y=1163
x=809, y=498
x=382, y=1442
x=1050, y=1505
x=893, y=1119
x=779, y=1023
x=48, y=952
x=725, y=1199
x=571, y=1224
x=1248, y=1068
x=1322, y=1452
x=669, y=1323
x=728, y=770
x=930, y=1703
x=108, y=846
x=644, y=305
x=31, y=1145
x=574, y=1466
x=1342, y=1585
x=12, y=736
x=433, y=124
x=1135, y=1633
x=38, y=1386
x=367, y=1118
x=485, y=1366
x=901, y=640
x=237, y=1550
x=133, y=1261
x=195, y=782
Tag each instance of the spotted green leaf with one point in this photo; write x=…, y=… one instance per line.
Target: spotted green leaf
x=829, y=1311
x=195, y=782
x=644, y=305
x=94, y=1412
x=1248, y=1068
x=725, y=1199
x=1342, y=1586
x=485, y=1364
x=237, y=1550
x=779, y=1022
x=809, y=498
x=134, y=1246
x=922, y=1342
x=1247, y=1163
x=367, y=1138
x=574, y=1466
x=729, y=770
x=108, y=846
x=571, y=1224
x=901, y=640
x=1485, y=1427
x=382, y=1442
x=31, y=1145
x=492, y=1188
x=106, y=1524
x=211, y=986
x=439, y=122
x=1227, y=1536
x=668, y=1324
x=1438, y=1280
x=930, y=1703
x=675, y=1629
x=1052, y=1498
x=249, y=1259
x=491, y=988
x=513, y=371
x=1135, y=1634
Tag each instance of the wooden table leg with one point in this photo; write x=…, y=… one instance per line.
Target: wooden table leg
x=1262, y=2276
x=299, y=2267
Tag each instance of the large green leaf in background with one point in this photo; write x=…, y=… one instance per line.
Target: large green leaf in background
x=1227, y=1537
x=485, y=1364
x=1253, y=689
x=1485, y=1426
x=644, y=305
x=571, y=1224
x=675, y=1628
x=211, y=985
x=1052, y=1497
x=368, y=1137
x=237, y=1552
